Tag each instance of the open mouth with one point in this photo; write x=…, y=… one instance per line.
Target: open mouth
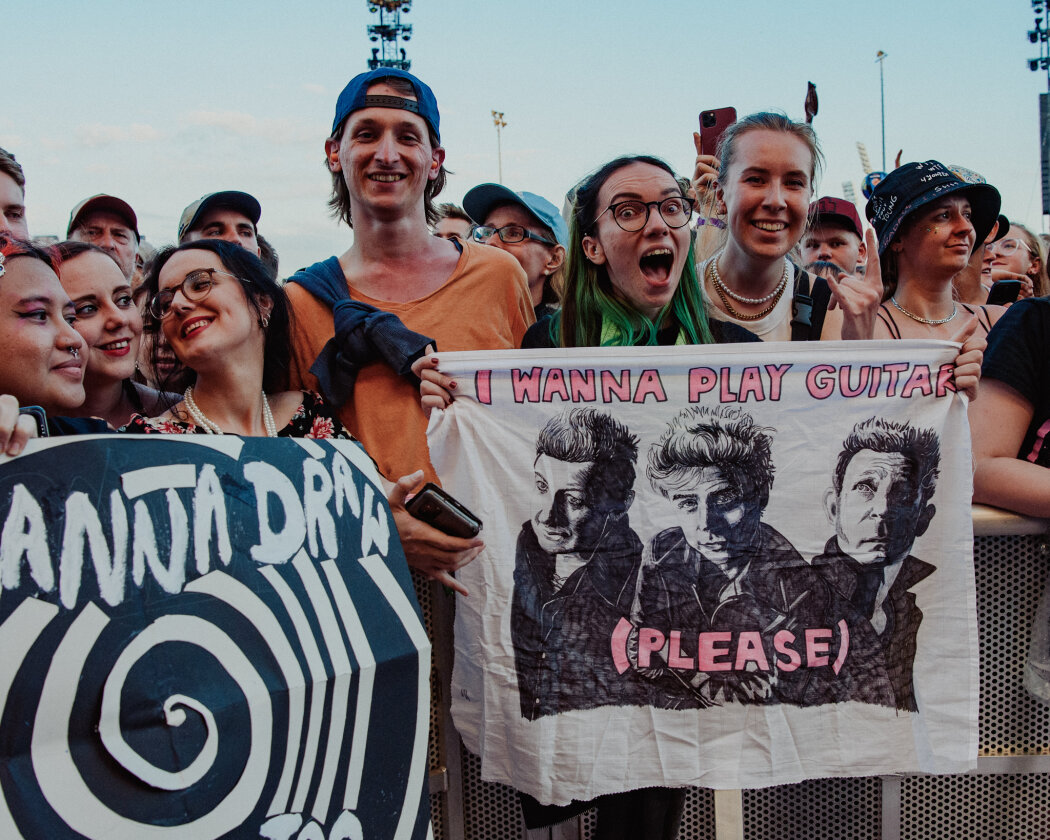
x=386, y=177
x=194, y=326
x=770, y=227
x=656, y=265
x=117, y=348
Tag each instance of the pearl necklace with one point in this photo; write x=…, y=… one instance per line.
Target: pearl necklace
x=722, y=287
x=776, y=294
x=933, y=322
x=199, y=419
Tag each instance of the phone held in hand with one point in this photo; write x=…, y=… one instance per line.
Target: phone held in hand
x=436, y=507
x=712, y=124
x=1005, y=291
x=39, y=416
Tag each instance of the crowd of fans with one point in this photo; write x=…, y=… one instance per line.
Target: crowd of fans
x=202, y=338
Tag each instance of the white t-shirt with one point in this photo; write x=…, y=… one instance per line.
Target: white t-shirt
x=776, y=326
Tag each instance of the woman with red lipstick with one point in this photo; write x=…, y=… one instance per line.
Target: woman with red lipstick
x=111, y=325
x=767, y=166
x=228, y=323
x=928, y=221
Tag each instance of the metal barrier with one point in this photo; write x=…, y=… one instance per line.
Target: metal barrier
x=1007, y=798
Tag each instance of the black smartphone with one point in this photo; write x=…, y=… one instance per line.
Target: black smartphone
x=1005, y=291
x=436, y=507
x=39, y=415
x=712, y=124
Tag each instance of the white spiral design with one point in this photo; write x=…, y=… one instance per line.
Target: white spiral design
x=60, y=780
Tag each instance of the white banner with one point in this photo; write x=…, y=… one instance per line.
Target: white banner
x=728, y=566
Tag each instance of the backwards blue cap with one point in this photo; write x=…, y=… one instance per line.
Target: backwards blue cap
x=355, y=97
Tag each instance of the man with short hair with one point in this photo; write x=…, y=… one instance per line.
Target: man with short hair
x=109, y=223
x=12, y=197
x=879, y=503
x=452, y=221
x=386, y=162
x=576, y=563
x=835, y=235
x=230, y=215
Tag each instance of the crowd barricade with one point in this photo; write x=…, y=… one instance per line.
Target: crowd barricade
x=1007, y=797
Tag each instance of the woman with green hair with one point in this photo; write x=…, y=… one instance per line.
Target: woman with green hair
x=630, y=277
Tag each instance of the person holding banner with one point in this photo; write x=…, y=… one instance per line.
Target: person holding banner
x=110, y=322
x=36, y=329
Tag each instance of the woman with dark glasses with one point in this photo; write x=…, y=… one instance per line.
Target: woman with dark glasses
x=228, y=323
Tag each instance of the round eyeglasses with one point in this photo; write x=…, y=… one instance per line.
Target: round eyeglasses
x=510, y=234
x=634, y=215
x=1007, y=246
x=195, y=286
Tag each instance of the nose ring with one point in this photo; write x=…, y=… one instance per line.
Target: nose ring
x=75, y=351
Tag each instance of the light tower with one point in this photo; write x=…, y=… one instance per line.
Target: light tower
x=500, y=123
x=390, y=32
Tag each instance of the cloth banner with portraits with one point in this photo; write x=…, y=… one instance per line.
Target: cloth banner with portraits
x=207, y=637
x=725, y=566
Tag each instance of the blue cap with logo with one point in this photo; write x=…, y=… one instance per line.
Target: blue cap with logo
x=355, y=97
x=480, y=201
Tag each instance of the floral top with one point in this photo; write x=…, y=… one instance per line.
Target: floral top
x=314, y=418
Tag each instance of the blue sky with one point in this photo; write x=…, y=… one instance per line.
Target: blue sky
x=161, y=103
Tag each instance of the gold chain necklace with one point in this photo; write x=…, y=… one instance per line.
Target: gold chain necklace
x=740, y=316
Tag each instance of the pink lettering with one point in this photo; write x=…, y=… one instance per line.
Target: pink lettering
x=782, y=642
x=918, y=381
x=751, y=384
x=620, y=387
x=726, y=395
x=483, y=386
x=650, y=385
x=817, y=647
x=894, y=371
x=649, y=642
x=749, y=649
x=554, y=386
x=526, y=385
x=581, y=383
x=713, y=647
x=946, y=380
x=820, y=381
x=876, y=380
x=845, y=384
x=674, y=656
x=776, y=374
x=701, y=381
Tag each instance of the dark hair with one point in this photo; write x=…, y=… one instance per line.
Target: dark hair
x=588, y=301
x=257, y=284
x=920, y=447
x=448, y=210
x=11, y=247
x=268, y=255
x=10, y=166
x=722, y=437
x=71, y=248
x=587, y=435
x=339, y=203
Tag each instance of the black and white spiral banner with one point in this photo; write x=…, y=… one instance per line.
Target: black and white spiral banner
x=207, y=638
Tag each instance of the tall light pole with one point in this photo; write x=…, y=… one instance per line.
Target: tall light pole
x=500, y=123
x=880, y=56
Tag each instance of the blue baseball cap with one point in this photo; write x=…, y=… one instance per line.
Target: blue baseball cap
x=479, y=203
x=355, y=97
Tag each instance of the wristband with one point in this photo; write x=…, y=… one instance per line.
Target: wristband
x=714, y=222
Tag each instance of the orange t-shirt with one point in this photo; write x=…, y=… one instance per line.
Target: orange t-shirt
x=484, y=305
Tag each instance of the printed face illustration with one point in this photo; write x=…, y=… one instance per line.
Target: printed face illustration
x=717, y=518
x=567, y=517
x=878, y=512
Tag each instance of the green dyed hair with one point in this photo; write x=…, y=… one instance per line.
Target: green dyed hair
x=588, y=300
